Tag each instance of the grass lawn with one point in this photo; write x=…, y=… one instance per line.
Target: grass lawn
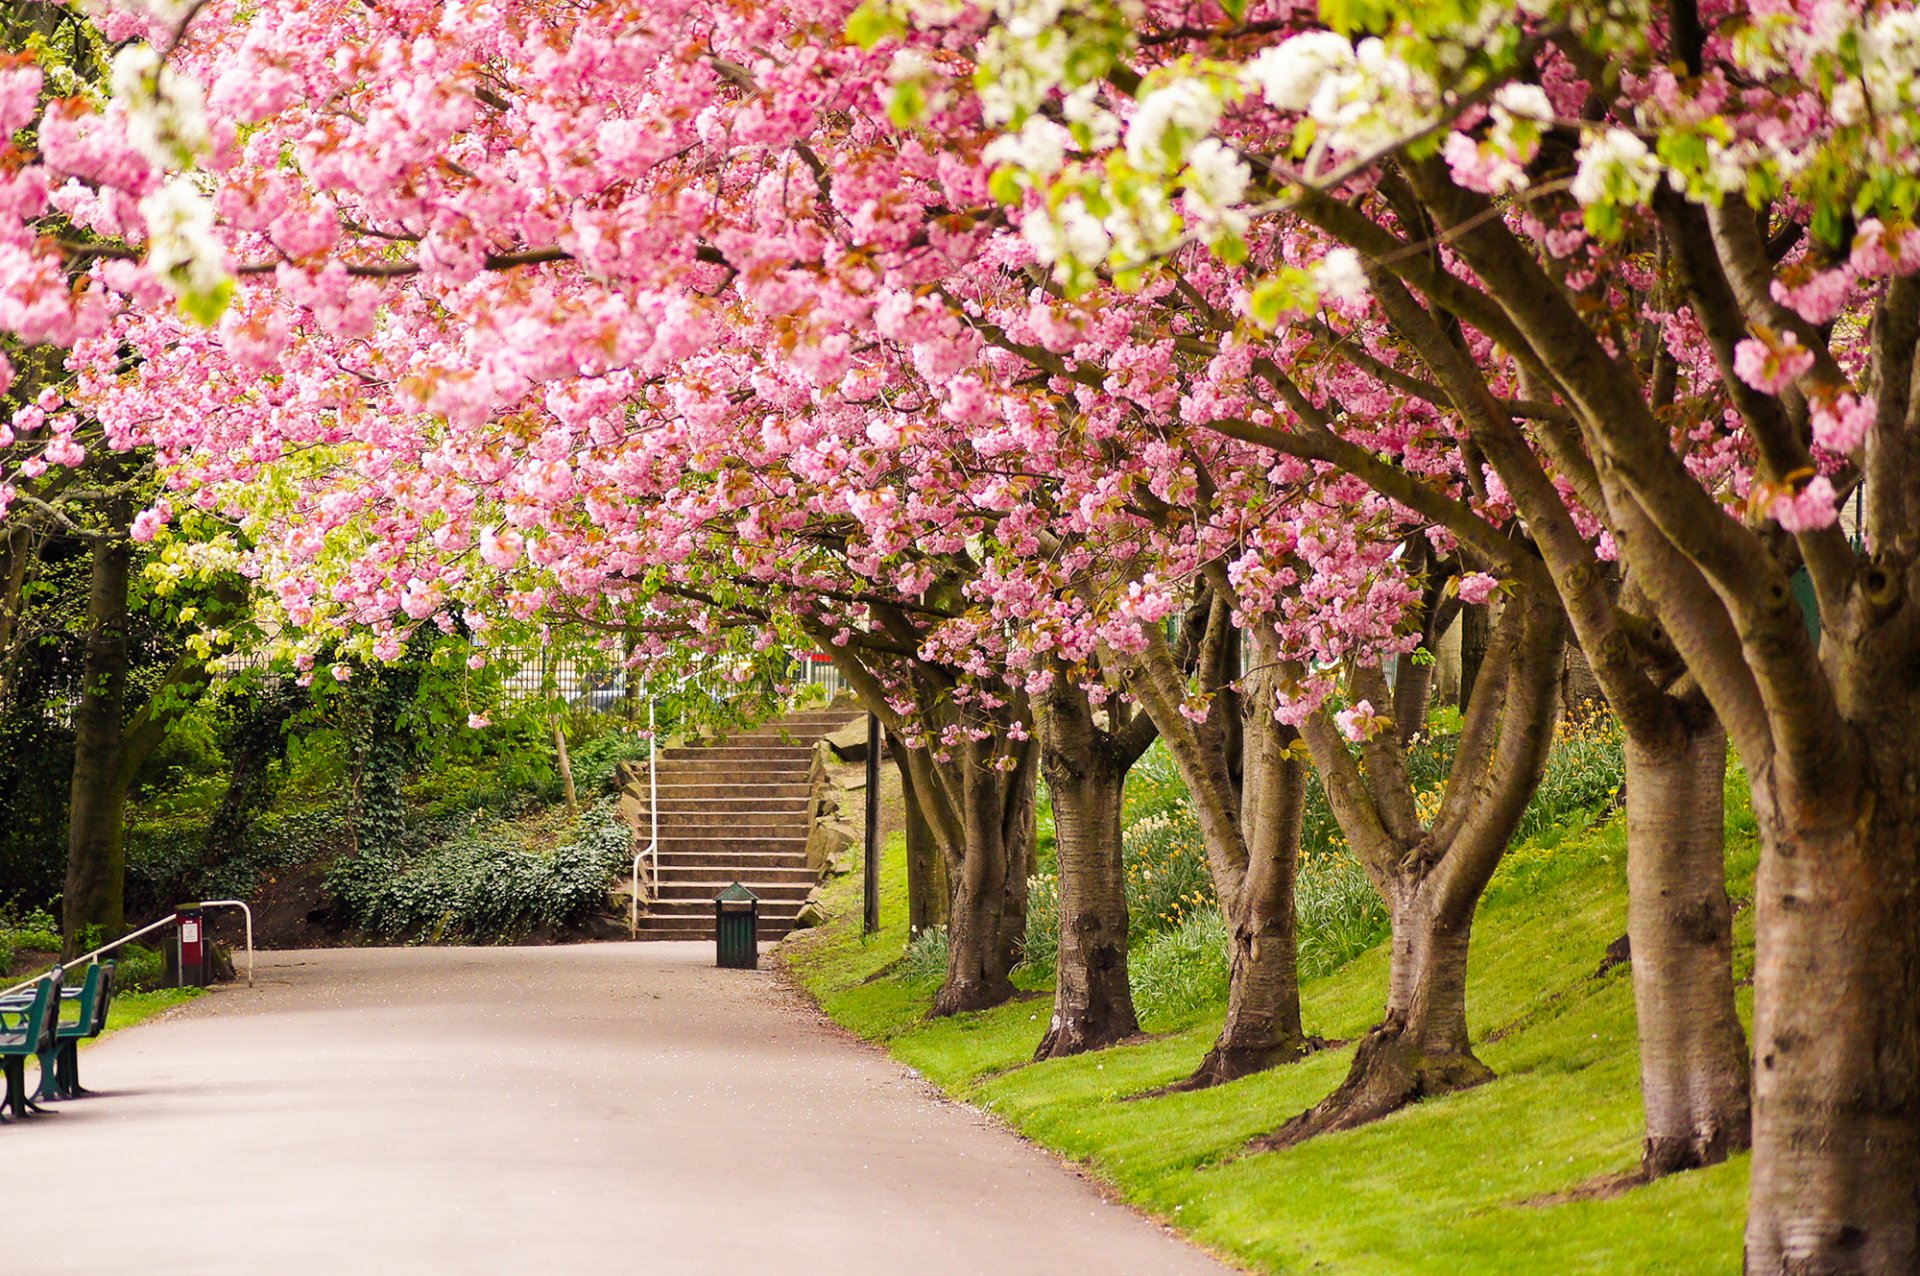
x=1454, y=1185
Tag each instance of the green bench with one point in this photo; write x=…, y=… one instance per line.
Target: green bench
x=28, y=1024
x=60, y=1065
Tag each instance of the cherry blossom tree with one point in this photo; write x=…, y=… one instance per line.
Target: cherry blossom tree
x=1749, y=170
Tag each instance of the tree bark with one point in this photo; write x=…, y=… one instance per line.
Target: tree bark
x=1421, y=1047
x=1412, y=694
x=96, y=854
x=1836, y=1094
x=1250, y=822
x=564, y=761
x=1086, y=769
x=1476, y=625
x=988, y=868
x=1263, y=1026
x=927, y=888
x=1693, y=1055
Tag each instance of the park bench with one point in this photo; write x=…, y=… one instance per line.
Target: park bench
x=27, y=1027
x=60, y=1065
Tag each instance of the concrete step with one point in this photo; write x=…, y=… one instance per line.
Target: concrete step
x=722, y=850
x=703, y=892
x=702, y=909
x=767, y=934
x=733, y=824
x=699, y=808
x=753, y=842
x=750, y=872
x=756, y=770
x=744, y=762
x=773, y=788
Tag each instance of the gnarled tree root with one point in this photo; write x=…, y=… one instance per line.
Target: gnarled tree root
x=1388, y=1074
x=1229, y=1063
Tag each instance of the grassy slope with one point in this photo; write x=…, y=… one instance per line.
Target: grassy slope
x=1443, y=1187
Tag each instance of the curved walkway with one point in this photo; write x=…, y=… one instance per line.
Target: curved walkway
x=602, y=1108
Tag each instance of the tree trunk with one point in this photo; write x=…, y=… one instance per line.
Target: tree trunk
x=987, y=910
x=1263, y=1025
x=1252, y=833
x=1087, y=772
x=1693, y=1052
x=96, y=855
x=1836, y=1095
x=565, y=763
x=1412, y=693
x=1421, y=1048
x=1093, y=1004
x=1476, y=629
x=926, y=871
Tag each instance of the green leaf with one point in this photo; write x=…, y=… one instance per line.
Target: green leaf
x=1004, y=185
x=871, y=23
x=205, y=305
x=906, y=104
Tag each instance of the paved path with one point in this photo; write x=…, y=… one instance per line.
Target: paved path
x=604, y=1108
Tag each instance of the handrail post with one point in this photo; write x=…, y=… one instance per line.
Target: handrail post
x=242, y=906
x=651, y=851
x=653, y=800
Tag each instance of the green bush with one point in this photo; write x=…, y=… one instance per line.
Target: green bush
x=1181, y=971
x=1041, y=947
x=138, y=968
x=596, y=761
x=1339, y=914
x=482, y=882
x=34, y=930
x=926, y=956
x=1167, y=877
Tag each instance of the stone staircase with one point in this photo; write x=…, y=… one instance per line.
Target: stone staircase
x=737, y=810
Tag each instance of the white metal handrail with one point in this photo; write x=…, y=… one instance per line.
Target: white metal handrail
x=168, y=920
x=242, y=906
x=651, y=851
x=84, y=958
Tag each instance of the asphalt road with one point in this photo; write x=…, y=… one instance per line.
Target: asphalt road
x=621, y=1108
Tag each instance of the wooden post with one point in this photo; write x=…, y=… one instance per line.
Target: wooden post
x=870, y=893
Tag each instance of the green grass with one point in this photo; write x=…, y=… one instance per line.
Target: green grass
x=130, y=1008
x=1449, y=1186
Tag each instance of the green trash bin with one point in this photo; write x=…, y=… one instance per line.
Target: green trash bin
x=736, y=928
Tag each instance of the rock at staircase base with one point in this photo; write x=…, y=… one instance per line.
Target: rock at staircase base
x=811, y=914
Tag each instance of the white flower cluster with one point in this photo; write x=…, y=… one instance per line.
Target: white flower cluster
x=1038, y=149
x=1890, y=58
x=166, y=112
x=1216, y=177
x=1082, y=107
x=1289, y=74
x=1167, y=123
x=1615, y=168
x=1071, y=235
x=1340, y=276
x=1033, y=43
x=1361, y=96
x=181, y=248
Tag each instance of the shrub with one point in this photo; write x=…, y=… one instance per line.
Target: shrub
x=1041, y=947
x=138, y=968
x=483, y=882
x=926, y=956
x=1166, y=866
x=1182, y=970
x=1339, y=913
x=34, y=930
x=596, y=761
